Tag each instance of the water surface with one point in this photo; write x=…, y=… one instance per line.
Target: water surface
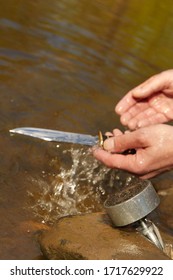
x=64, y=65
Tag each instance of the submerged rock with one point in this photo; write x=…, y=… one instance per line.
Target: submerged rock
x=93, y=237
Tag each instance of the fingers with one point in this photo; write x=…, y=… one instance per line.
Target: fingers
x=153, y=147
x=136, y=121
x=116, y=132
x=110, y=138
x=125, y=103
x=155, y=84
x=146, y=118
x=134, y=111
x=130, y=163
x=115, y=160
x=158, y=109
x=123, y=142
x=147, y=121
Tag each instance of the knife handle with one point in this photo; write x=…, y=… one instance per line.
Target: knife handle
x=102, y=138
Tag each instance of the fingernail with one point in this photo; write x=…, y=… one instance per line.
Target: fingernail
x=109, y=144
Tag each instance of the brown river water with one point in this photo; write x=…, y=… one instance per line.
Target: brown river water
x=64, y=65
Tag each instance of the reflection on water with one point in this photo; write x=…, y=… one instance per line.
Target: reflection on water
x=64, y=65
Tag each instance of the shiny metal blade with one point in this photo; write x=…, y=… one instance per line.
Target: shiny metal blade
x=56, y=135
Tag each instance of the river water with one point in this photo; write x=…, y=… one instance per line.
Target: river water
x=64, y=65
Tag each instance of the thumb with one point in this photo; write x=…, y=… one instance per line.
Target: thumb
x=121, y=143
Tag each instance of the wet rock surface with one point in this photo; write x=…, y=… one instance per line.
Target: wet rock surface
x=92, y=236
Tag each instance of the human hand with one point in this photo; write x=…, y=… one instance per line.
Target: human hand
x=154, y=150
x=149, y=103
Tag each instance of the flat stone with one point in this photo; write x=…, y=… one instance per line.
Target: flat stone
x=93, y=237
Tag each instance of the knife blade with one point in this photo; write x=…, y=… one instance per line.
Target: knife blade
x=66, y=137
x=59, y=136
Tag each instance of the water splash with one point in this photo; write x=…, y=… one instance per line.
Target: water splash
x=80, y=186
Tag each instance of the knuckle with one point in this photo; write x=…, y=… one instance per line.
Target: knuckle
x=142, y=167
x=139, y=165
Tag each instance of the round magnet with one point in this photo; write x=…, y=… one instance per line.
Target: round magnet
x=132, y=203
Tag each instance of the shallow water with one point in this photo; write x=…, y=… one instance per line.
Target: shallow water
x=64, y=65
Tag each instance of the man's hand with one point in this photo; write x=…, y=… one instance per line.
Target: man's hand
x=149, y=103
x=154, y=150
